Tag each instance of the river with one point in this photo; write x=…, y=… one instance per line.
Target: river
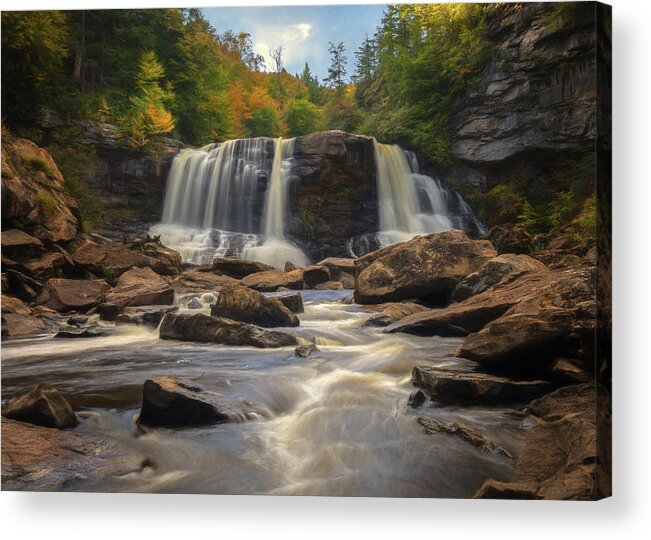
x=335, y=423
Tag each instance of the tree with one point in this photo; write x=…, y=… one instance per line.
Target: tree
x=276, y=54
x=148, y=115
x=263, y=122
x=337, y=69
x=315, y=93
x=366, y=61
x=302, y=117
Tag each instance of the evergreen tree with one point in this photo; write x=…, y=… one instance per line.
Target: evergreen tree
x=315, y=93
x=366, y=61
x=337, y=69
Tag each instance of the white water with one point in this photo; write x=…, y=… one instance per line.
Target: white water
x=214, y=200
x=411, y=203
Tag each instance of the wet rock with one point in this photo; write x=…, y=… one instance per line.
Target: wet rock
x=566, y=454
x=494, y=271
x=241, y=303
x=293, y=302
x=108, y=312
x=168, y=261
x=82, y=333
x=273, y=280
x=195, y=303
x=289, y=266
x=169, y=401
x=150, y=316
x=14, y=305
x=329, y=286
x=568, y=372
x=338, y=266
x=390, y=312
x=72, y=294
x=315, y=275
x=43, y=406
x=347, y=280
x=238, y=268
x=425, y=267
x=19, y=244
x=141, y=287
x=199, y=279
x=416, y=399
x=77, y=320
x=18, y=325
x=36, y=458
x=206, y=328
x=303, y=351
x=471, y=388
x=464, y=432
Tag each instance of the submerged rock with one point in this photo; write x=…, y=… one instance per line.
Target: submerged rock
x=423, y=267
x=471, y=388
x=82, y=333
x=464, y=432
x=43, y=406
x=416, y=399
x=303, y=351
x=206, y=328
x=141, y=287
x=247, y=305
x=150, y=316
x=169, y=401
x=63, y=294
x=566, y=454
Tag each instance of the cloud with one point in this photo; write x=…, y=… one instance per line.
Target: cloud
x=293, y=37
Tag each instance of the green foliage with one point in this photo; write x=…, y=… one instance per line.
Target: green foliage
x=563, y=14
x=315, y=92
x=337, y=69
x=264, y=122
x=302, y=117
x=109, y=273
x=306, y=218
x=46, y=201
x=37, y=163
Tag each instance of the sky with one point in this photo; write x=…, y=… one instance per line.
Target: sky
x=303, y=30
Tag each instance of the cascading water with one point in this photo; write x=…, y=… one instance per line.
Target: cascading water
x=214, y=201
x=411, y=203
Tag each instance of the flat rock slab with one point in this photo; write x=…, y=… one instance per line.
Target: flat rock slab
x=16, y=325
x=273, y=280
x=471, y=388
x=36, y=458
x=72, y=294
x=238, y=268
x=141, y=287
x=42, y=406
x=170, y=401
x=209, y=329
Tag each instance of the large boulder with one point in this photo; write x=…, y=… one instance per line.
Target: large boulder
x=141, y=287
x=471, y=388
x=72, y=294
x=33, y=192
x=292, y=301
x=16, y=325
x=315, y=275
x=199, y=279
x=391, y=312
x=114, y=258
x=238, y=268
x=169, y=401
x=508, y=239
x=494, y=271
x=566, y=453
x=209, y=329
x=427, y=267
x=272, y=280
x=55, y=263
x=14, y=305
x=43, y=406
x=241, y=303
x=338, y=266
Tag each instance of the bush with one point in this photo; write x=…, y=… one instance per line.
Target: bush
x=302, y=117
x=37, y=163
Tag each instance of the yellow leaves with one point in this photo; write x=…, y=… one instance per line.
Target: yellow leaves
x=158, y=120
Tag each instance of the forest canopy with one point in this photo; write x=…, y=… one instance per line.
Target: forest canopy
x=169, y=72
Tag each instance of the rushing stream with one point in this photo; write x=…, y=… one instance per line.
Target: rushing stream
x=335, y=423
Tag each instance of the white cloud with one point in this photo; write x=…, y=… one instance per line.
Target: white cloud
x=293, y=37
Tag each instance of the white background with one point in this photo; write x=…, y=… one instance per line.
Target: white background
x=626, y=515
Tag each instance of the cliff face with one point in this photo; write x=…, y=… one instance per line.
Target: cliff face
x=536, y=96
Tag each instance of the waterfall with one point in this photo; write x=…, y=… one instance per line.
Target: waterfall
x=215, y=197
x=411, y=203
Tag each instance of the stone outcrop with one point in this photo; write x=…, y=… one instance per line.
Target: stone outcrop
x=169, y=401
x=494, y=271
x=63, y=294
x=209, y=329
x=238, y=268
x=18, y=244
x=43, y=406
x=140, y=287
x=241, y=303
x=33, y=192
x=565, y=455
x=427, y=267
x=472, y=388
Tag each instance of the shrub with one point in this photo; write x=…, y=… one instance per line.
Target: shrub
x=37, y=163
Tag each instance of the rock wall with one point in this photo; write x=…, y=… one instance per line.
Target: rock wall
x=536, y=97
